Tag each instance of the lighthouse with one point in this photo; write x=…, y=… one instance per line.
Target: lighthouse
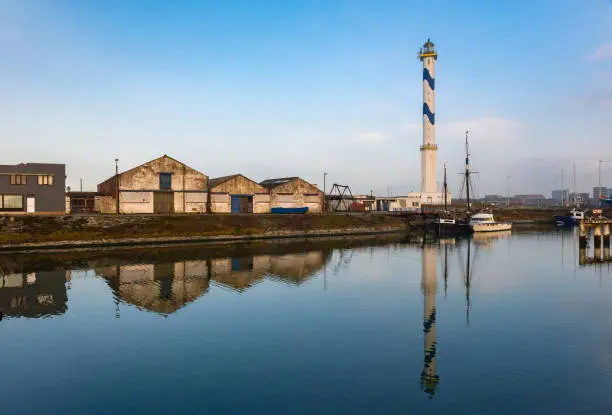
x=428, y=56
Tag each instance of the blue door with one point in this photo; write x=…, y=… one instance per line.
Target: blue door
x=235, y=204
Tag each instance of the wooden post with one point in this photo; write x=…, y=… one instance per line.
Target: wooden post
x=606, y=242
x=582, y=253
x=597, y=243
x=583, y=237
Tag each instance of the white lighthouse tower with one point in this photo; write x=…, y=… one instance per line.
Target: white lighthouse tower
x=429, y=193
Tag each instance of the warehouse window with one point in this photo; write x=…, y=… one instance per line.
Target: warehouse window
x=11, y=202
x=18, y=179
x=45, y=180
x=165, y=181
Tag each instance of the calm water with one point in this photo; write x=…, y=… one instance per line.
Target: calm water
x=508, y=324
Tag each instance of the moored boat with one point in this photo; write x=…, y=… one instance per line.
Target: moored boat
x=485, y=222
x=296, y=210
x=575, y=217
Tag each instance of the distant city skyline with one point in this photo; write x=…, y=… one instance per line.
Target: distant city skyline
x=275, y=88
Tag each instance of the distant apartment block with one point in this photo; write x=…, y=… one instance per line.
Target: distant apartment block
x=561, y=195
x=600, y=192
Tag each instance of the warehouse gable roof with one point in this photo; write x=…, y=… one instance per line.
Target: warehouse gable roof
x=271, y=183
x=149, y=162
x=218, y=180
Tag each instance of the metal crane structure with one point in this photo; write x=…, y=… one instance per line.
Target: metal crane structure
x=340, y=198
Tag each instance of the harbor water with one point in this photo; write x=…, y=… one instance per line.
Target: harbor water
x=503, y=323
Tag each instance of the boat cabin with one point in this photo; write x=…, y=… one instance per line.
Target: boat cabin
x=482, y=218
x=577, y=214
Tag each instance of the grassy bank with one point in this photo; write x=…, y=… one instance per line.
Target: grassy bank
x=37, y=230
x=538, y=215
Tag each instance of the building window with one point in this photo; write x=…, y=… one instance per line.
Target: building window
x=18, y=179
x=45, y=180
x=165, y=181
x=11, y=202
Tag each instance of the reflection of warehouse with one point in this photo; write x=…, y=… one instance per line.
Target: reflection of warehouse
x=163, y=288
x=297, y=268
x=35, y=294
x=163, y=185
x=167, y=287
x=237, y=194
x=293, y=192
x=240, y=273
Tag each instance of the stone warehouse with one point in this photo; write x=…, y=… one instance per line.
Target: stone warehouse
x=293, y=192
x=167, y=186
x=163, y=185
x=237, y=194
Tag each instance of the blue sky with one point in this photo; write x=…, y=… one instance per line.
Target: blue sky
x=279, y=88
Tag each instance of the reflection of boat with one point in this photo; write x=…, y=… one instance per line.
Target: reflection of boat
x=485, y=238
x=574, y=218
x=485, y=222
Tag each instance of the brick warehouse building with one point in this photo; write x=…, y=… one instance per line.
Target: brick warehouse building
x=163, y=185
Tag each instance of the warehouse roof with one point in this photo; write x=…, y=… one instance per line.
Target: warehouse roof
x=270, y=183
x=218, y=180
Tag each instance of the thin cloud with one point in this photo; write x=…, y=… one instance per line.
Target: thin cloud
x=486, y=128
x=411, y=127
x=602, y=53
x=371, y=138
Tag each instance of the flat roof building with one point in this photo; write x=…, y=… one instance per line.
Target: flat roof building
x=33, y=188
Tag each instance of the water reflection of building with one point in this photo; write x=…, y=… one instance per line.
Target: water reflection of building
x=297, y=268
x=163, y=288
x=166, y=287
x=35, y=294
x=244, y=272
x=429, y=286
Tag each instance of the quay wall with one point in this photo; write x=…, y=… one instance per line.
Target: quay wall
x=101, y=230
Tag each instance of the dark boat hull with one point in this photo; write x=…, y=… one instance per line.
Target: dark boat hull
x=567, y=220
x=454, y=229
x=300, y=210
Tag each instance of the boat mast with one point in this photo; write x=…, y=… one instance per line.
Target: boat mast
x=467, y=171
x=468, y=283
x=574, y=185
x=445, y=189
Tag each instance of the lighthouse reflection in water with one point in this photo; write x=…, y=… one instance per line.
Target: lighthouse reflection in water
x=429, y=285
x=383, y=325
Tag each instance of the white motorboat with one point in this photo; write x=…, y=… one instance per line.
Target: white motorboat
x=485, y=222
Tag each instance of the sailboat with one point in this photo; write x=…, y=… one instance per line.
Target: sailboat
x=444, y=223
x=483, y=221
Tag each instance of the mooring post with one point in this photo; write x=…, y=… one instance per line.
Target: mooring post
x=582, y=243
x=582, y=255
x=606, y=242
x=597, y=242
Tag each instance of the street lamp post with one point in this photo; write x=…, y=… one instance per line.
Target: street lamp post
x=508, y=192
x=117, y=184
x=599, y=173
x=324, y=194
